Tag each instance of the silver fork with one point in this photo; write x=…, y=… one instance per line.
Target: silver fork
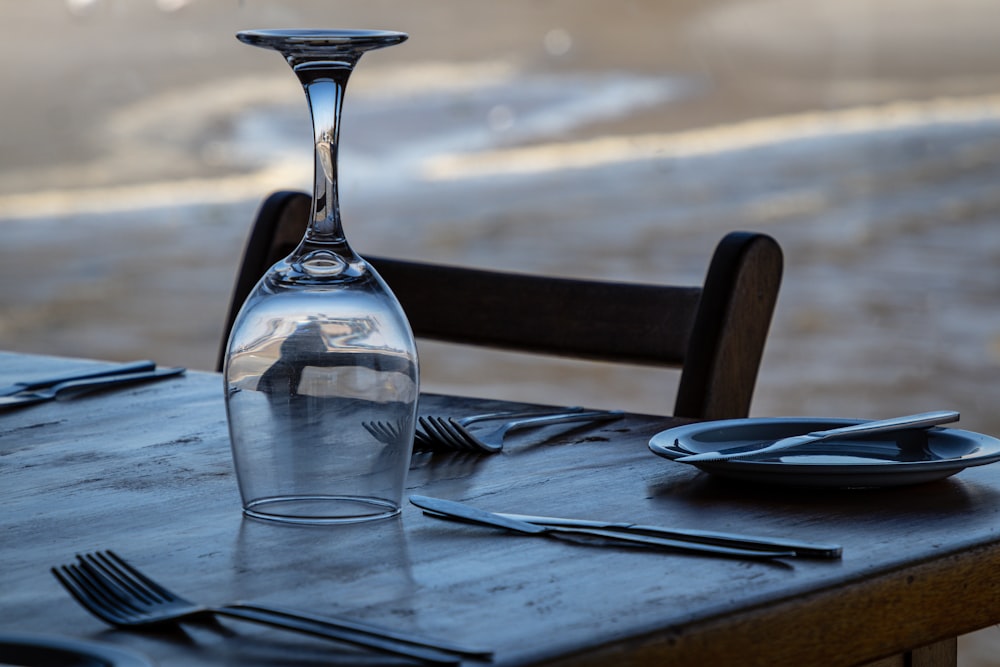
x=492, y=441
x=433, y=434
x=438, y=430
x=386, y=432
x=122, y=596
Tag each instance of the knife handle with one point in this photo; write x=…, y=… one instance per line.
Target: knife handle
x=119, y=369
x=66, y=389
x=327, y=630
x=801, y=549
x=366, y=629
x=921, y=420
x=626, y=538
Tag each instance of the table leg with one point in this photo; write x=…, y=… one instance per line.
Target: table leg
x=941, y=654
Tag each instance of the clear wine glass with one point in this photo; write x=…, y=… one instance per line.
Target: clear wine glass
x=321, y=345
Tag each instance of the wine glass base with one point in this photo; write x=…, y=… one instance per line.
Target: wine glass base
x=321, y=510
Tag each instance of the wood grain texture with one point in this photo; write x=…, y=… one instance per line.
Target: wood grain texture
x=146, y=471
x=715, y=332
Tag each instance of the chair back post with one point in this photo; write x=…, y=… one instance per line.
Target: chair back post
x=730, y=328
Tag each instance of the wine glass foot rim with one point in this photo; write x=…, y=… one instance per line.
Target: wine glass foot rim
x=352, y=38
x=321, y=510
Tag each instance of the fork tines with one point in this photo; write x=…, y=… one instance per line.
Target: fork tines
x=426, y=438
x=116, y=568
x=96, y=596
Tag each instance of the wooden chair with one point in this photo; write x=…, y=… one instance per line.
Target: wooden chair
x=714, y=333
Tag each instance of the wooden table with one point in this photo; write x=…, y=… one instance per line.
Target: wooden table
x=147, y=472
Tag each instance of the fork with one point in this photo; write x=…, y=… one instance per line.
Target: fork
x=432, y=433
x=121, y=595
x=438, y=431
x=492, y=441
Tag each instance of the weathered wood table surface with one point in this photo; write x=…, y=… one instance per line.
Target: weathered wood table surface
x=146, y=471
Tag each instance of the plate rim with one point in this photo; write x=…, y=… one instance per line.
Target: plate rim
x=816, y=468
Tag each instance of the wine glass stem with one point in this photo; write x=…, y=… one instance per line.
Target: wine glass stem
x=325, y=83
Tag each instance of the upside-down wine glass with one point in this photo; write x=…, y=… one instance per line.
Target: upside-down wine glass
x=321, y=345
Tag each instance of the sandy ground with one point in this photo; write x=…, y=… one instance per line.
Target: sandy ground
x=863, y=136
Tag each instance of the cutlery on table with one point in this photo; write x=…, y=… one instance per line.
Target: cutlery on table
x=922, y=420
x=119, y=594
x=434, y=431
x=801, y=549
x=718, y=544
x=447, y=434
x=492, y=441
x=74, y=387
x=42, y=383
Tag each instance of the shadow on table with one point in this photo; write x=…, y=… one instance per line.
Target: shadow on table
x=945, y=498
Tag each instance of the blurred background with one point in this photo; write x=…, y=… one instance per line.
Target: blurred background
x=615, y=140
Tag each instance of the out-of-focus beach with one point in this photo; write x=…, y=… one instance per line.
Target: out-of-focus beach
x=575, y=137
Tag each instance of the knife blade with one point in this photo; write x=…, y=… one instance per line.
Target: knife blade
x=448, y=509
x=118, y=369
x=921, y=420
x=801, y=549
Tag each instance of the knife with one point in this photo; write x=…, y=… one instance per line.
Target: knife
x=118, y=369
x=801, y=549
x=921, y=420
x=448, y=509
x=65, y=389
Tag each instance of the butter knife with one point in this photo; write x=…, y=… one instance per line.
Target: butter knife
x=67, y=389
x=921, y=420
x=801, y=549
x=42, y=383
x=447, y=509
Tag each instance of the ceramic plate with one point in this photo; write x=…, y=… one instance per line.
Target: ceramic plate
x=889, y=459
x=48, y=650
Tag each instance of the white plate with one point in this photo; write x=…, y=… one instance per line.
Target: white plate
x=889, y=459
x=30, y=650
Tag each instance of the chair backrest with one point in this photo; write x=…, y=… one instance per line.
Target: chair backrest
x=714, y=333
